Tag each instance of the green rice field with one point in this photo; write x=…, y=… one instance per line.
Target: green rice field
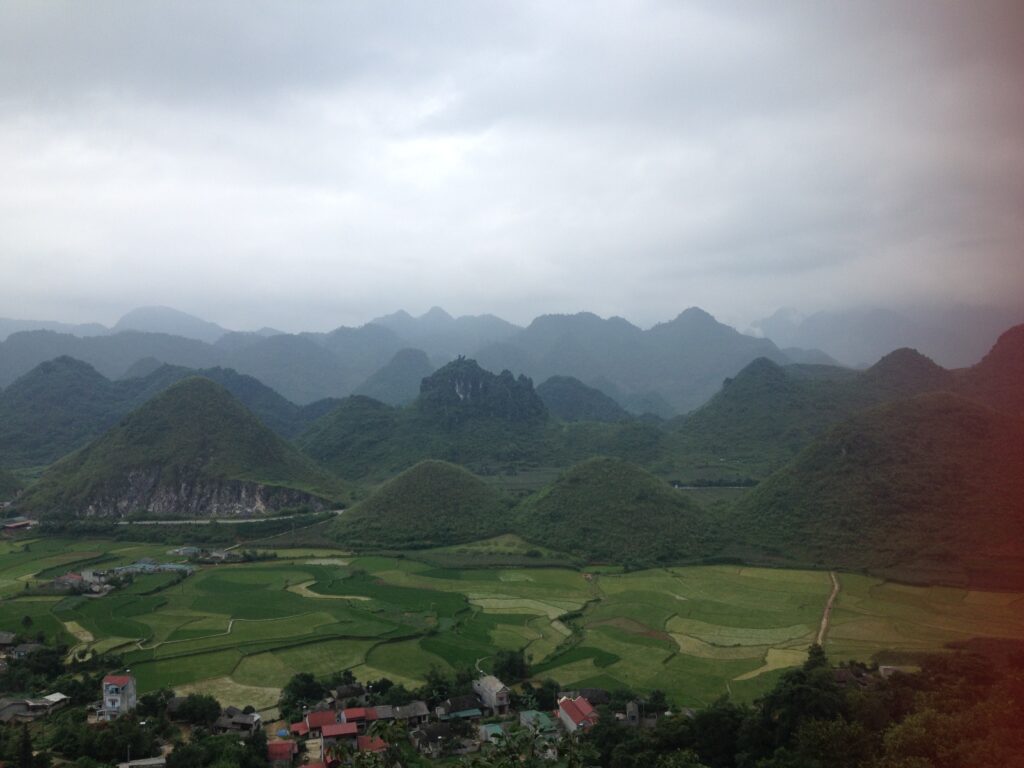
x=695, y=632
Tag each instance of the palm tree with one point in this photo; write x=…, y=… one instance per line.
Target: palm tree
x=393, y=733
x=577, y=752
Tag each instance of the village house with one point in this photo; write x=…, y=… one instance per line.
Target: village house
x=17, y=525
x=7, y=640
x=494, y=694
x=540, y=722
x=412, y=714
x=26, y=649
x=118, y=696
x=29, y=710
x=371, y=744
x=382, y=712
x=490, y=733
x=351, y=695
x=355, y=716
x=315, y=721
x=145, y=762
x=340, y=733
x=431, y=740
x=459, y=708
x=596, y=696
x=576, y=714
x=234, y=720
x=281, y=754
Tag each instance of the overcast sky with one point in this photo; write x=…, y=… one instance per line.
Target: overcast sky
x=305, y=165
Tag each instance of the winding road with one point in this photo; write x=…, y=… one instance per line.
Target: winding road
x=826, y=615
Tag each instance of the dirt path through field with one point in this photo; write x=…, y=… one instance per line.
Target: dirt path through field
x=826, y=615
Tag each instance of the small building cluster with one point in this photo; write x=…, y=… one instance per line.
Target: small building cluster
x=95, y=583
x=206, y=556
x=13, y=526
x=343, y=724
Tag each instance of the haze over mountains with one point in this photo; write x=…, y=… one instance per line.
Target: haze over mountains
x=669, y=369
x=834, y=465
x=953, y=336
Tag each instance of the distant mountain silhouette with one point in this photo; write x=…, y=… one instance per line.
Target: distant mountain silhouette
x=682, y=361
x=169, y=321
x=444, y=337
x=398, y=382
x=570, y=399
x=954, y=337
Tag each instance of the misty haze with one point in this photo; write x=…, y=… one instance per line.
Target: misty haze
x=634, y=385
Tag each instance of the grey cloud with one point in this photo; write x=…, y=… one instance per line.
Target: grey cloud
x=304, y=165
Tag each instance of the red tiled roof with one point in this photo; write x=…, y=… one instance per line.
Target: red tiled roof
x=584, y=706
x=578, y=710
x=300, y=728
x=320, y=718
x=371, y=744
x=117, y=680
x=353, y=713
x=340, y=729
x=281, y=750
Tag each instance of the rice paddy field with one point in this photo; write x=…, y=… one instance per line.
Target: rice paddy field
x=243, y=630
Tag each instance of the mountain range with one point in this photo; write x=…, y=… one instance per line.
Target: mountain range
x=905, y=469
x=953, y=336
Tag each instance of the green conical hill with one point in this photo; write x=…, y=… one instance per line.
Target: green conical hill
x=612, y=511
x=431, y=504
x=931, y=487
x=192, y=450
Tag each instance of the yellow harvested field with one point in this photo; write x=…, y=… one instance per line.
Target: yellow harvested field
x=691, y=646
x=230, y=693
x=304, y=590
x=82, y=634
x=776, y=658
x=493, y=604
x=328, y=561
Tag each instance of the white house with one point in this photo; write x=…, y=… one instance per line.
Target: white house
x=118, y=696
x=493, y=694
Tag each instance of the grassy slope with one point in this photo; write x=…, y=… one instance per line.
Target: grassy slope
x=194, y=429
x=768, y=413
x=62, y=404
x=931, y=487
x=607, y=509
x=398, y=382
x=432, y=504
x=54, y=409
x=9, y=485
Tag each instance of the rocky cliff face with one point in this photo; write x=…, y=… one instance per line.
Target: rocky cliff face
x=462, y=390
x=148, y=491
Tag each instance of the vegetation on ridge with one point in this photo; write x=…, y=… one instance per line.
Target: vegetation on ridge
x=432, y=504
x=927, y=488
x=193, y=434
x=608, y=510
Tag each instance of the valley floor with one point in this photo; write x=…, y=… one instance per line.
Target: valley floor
x=241, y=631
